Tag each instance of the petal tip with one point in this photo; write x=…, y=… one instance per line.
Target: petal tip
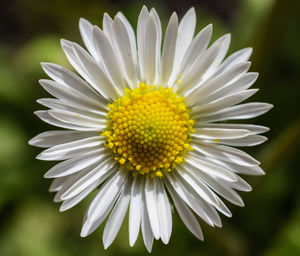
x=106, y=243
x=144, y=8
x=37, y=112
x=82, y=21
x=250, y=49
x=44, y=64
x=47, y=176
x=84, y=229
x=192, y=9
x=63, y=208
x=31, y=142
x=42, y=81
x=83, y=233
x=39, y=156
x=209, y=27
x=66, y=43
x=262, y=173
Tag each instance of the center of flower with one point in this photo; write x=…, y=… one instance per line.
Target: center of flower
x=148, y=130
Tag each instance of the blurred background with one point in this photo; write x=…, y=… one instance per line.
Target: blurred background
x=31, y=225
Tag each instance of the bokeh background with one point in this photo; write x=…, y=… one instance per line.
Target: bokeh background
x=31, y=225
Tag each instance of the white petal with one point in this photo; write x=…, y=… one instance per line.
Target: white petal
x=71, y=179
x=220, y=206
x=46, y=117
x=75, y=164
x=219, y=133
x=208, y=212
x=186, y=215
x=224, y=153
x=253, y=129
x=249, y=141
x=77, y=119
x=90, y=226
x=188, y=197
x=107, y=26
x=225, y=191
x=69, y=95
x=216, y=83
x=101, y=172
x=211, y=169
x=106, y=195
x=154, y=14
x=116, y=218
x=64, y=76
x=235, y=58
x=168, y=55
x=150, y=52
x=125, y=51
x=71, y=149
x=90, y=70
x=223, y=208
x=164, y=212
x=72, y=107
x=225, y=42
x=145, y=225
x=191, y=76
x=56, y=198
x=69, y=203
x=131, y=34
x=141, y=28
x=237, y=168
x=57, y=184
x=135, y=210
x=86, y=31
x=109, y=58
x=196, y=47
x=225, y=102
x=243, y=83
x=240, y=185
x=201, y=189
x=53, y=138
x=152, y=208
x=241, y=111
x=186, y=31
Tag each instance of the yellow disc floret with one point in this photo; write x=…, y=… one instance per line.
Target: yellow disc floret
x=148, y=130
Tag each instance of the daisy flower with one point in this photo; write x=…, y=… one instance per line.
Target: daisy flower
x=145, y=127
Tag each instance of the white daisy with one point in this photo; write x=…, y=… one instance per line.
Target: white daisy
x=145, y=127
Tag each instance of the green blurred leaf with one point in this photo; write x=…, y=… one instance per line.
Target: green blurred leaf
x=287, y=242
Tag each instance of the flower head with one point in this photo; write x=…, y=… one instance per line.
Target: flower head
x=146, y=128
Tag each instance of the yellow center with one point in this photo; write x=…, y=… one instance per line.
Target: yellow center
x=148, y=130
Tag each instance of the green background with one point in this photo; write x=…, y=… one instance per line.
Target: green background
x=30, y=223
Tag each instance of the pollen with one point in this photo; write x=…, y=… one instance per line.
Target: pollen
x=148, y=130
